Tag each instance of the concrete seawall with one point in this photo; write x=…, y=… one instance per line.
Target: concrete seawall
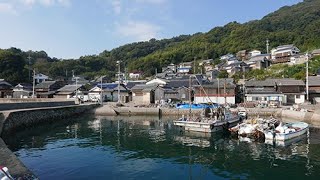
x=13, y=105
x=10, y=121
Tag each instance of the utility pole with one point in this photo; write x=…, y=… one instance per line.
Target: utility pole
x=190, y=78
x=29, y=58
x=225, y=98
x=118, y=62
x=194, y=65
x=218, y=91
x=33, y=82
x=267, y=44
x=307, y=79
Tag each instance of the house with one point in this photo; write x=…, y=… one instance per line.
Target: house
x=39, y=78
x=68, y=91
x=232, y=60
x=238, y=66
x=243, y=55
x=135, y=75
x=109, y=92
x=5, y=89
x=264, y=92
x=130, y=84
x=174, y=89
x=144, y=93
x=184, y=67
x=167, y=73
x=171, y=67
x=226, y=57
x=158, y=81
x=254, y=53
x=278, y=91
x=316, y=52
x=314, y=87
x=22, y=90
x=47, y=89
x=216, y=91
x=212, y=74
x=260, y=61
x=292, y=89
x=298, y=59
x=282, y=54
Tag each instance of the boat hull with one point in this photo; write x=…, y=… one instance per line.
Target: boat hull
x=206, y=127
x=269, y=135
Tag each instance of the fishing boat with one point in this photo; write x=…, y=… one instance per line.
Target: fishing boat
x=254, y=128
x=4, y=173
x=211, y=120
x=287, y=131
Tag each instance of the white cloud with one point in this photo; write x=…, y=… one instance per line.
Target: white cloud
x=28, y=2
x=138, y=30
x=151, y=1
x=46, y=3
x=116, y=4
x=7, y=8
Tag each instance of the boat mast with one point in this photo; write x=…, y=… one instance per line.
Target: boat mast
x=190, y=94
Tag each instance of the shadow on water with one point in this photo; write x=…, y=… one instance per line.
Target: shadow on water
x=152, y=148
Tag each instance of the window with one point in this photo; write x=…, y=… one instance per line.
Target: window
x=297, y=96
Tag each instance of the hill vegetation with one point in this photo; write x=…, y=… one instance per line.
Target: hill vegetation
x=298, y=24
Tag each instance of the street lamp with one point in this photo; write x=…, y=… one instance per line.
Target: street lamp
x=118, y=63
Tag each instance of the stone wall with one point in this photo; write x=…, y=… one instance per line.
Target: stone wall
x=27, y=105
x=30, y=117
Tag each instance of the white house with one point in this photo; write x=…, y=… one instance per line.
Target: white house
x=39, y=78
x=158, y=81
x=135, y=75
x=284, y=51
x=254, y=53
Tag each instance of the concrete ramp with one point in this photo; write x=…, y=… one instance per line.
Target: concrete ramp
x=105, y=110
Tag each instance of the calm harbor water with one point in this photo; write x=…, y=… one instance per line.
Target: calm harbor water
x=149, y=148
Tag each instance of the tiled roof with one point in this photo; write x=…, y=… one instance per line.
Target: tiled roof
x=69, y=88
x=45, y=84
x=314, y=80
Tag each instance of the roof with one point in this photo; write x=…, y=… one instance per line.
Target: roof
x=314, y=80
x=289, y=82
x=215, y=83
x=45, y=84
x=316, y=51
x=144, y=87
x=129, y=85
x=263, y=83
x=273, y=82
x=5, y=83
x=69, y=88
x=177, y=83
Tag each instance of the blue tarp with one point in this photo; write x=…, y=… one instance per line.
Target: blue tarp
x=196, y=106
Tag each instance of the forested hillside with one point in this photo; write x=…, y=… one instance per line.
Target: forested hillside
x=298, y=24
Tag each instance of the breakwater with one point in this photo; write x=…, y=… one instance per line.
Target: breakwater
x=13, y=104
x=12, y=120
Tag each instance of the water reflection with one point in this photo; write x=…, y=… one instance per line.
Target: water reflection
x=149, y=147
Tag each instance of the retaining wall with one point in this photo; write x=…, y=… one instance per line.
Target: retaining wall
x=27, y=105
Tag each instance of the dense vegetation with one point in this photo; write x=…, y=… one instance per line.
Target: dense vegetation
x=298, y=24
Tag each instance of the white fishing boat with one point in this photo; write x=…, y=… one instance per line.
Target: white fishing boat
x=221, y=118
x=286, y=131
x=254, y=128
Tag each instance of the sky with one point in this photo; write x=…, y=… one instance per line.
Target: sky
x=74, y=28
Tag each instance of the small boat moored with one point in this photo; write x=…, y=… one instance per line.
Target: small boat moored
x=287, y=131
